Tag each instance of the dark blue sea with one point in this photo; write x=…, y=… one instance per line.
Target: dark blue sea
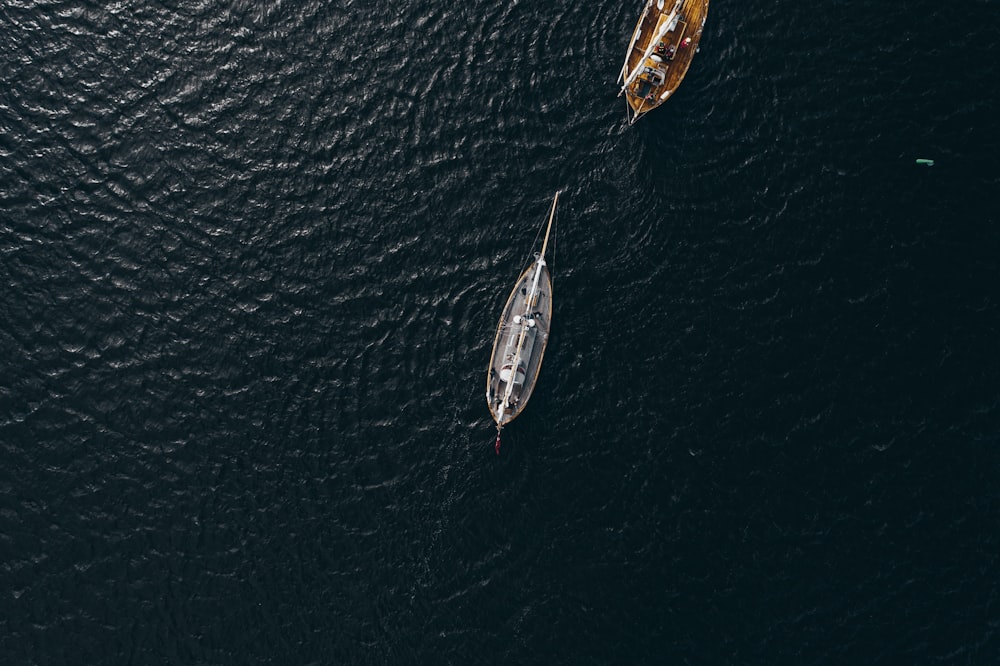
x=252, y=257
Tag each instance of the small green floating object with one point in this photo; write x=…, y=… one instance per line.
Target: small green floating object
x=925, y=162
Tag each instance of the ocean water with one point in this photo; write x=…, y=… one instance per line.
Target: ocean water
x=252, y=256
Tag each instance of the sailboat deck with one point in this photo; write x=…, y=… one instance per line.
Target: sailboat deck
x=541, y=313
x=691, y=21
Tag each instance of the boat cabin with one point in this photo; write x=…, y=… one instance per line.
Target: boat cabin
x=653, y=72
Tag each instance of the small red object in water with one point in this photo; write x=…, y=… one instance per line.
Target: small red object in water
x=498, y=444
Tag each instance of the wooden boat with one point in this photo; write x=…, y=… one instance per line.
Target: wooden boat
x=661, y=49
x=520, y=340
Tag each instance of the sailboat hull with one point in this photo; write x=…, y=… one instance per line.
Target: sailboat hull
x=660, y=52
x=532, y=331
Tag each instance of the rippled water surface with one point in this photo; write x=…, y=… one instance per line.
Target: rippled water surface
x=252, y=255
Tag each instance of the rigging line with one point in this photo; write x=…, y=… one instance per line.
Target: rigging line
x=530, y=258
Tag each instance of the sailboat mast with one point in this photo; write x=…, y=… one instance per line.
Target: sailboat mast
x=552, y=215
x=541, y=259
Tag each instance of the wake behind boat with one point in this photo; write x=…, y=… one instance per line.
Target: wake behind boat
x=520, y=340
x=662, y=47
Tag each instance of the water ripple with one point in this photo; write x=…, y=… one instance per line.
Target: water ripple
x=252, y=255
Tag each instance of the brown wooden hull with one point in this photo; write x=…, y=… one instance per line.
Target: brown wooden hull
x=662, y=47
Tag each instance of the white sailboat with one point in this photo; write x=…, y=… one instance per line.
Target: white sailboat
x=520, y=341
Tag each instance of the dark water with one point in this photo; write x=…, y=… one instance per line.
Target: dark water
x=252, y=253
